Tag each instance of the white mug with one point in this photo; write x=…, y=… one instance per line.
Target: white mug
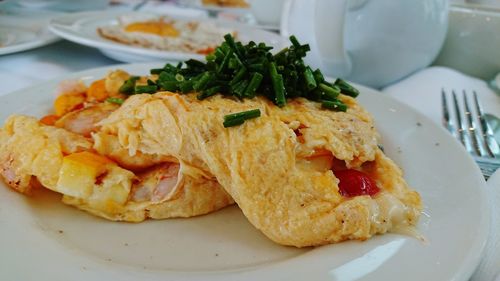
x=372, y=42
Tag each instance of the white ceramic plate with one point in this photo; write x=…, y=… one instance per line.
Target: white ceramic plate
x=15, y=39
x=81, y=28
x=58, y=5
x=42, y=237
x=24, y=29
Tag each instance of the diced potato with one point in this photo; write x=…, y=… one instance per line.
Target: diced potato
x=114, y=189
x=97, y=91
x=79, y=172
x=66, y=103
x=95, y=179
x=114, y=80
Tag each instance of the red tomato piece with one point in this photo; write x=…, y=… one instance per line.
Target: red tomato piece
x=355, y=183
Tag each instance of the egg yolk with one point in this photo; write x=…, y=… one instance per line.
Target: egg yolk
x=153, y=27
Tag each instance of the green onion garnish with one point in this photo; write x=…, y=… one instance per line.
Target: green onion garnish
x=235, y=119
x=128, y=86
x=335, y=105
x=346, y=88
x=146, y=89
x=115, y=100
x=233, y=122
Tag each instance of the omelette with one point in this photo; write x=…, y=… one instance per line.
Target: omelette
x=297, y=153
x=279, y=168
x=168, y=155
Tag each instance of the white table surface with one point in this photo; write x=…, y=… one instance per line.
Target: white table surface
x=23, y=69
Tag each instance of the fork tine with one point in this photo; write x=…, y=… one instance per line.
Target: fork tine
x=462, y=132
x=488, y=139
x=472, y=126
x=446, y=114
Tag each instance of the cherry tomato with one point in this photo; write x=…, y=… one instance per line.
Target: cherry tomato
x=355, y=183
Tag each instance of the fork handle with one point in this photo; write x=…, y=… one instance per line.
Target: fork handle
x=487, y=166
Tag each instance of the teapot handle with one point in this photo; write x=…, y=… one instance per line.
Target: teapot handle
x=324, y=27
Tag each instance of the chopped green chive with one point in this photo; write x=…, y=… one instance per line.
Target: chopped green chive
x=128, y=86
x=309, y=77
x=334, y=105
x=168, y=85
x=115, y=100
x=235, y=119
x=202, y=83
x=329, y=93
x=233, y=122
x=179, y=77
x=146, y=89
x=209, y=92
x=278, y=86
x=346, y=88
x=253, y=85
x=244, y=114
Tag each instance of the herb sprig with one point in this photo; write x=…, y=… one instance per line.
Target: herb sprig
x=244, y=71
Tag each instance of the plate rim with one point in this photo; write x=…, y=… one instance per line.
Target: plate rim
x=469, y=263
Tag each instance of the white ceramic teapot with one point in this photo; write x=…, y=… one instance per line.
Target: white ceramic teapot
x=372, y=42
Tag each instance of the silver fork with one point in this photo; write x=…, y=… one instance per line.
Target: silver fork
x=477, y=140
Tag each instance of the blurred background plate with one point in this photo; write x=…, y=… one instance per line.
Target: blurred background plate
x=233, y=6
x=16, y=39
x=81, y=28
x=22, y=29
x=263, y=14
x=59, y=5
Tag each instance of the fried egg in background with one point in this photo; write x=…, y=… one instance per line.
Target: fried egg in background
x=165, y=33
